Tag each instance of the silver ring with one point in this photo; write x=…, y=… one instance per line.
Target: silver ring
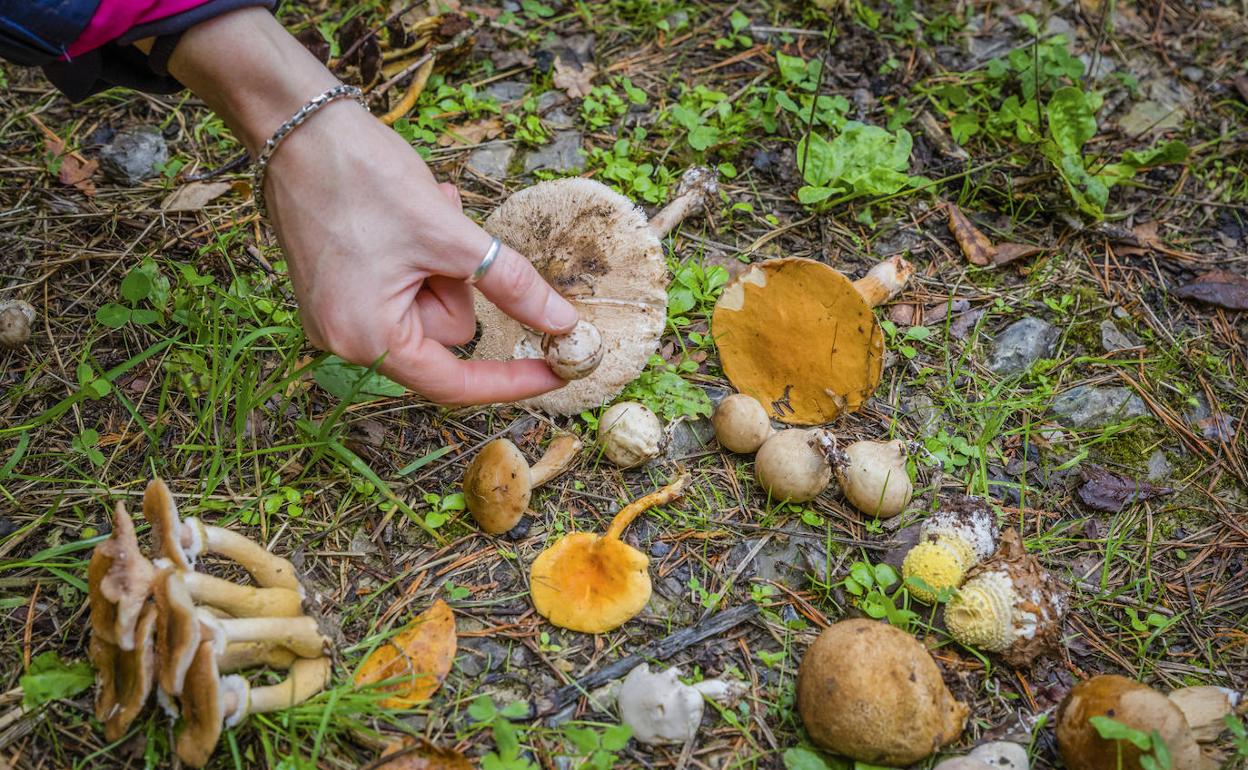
x=490, y=255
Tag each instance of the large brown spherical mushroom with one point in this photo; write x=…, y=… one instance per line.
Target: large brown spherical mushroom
x=119, y=580
x=871, y=692
x=597, y=249
x=1130, y=703
x=741, y=424
x=499, y=482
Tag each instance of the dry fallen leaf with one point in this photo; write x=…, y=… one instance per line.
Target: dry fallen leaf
x=194, y=196
x=1008, y=252
x=1217, y=287
x=419, y=657
x=471, y=133
x=974, y=244
x=410, y=753
x=575, y=82
x=75, y=170
x=1110, y=492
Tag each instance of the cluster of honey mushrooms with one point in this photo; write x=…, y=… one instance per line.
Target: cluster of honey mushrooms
x=159, y=623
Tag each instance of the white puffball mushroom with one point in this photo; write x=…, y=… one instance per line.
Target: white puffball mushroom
x=791, y=466
x=575, y=355
x=873, y=477
x=741, y=423
x=630, y=434
x=662, y=709
x=16, y=318
x=1001, y=755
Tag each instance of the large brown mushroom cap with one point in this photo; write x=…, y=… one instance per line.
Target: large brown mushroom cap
x=589, y=583
x=203, y=707
x=119, y=580
x=178, y=632
x=498, y=486
x=871, y=692
x=167, y=531
x=799, y=337
x=123, y=677
x=596, y=248
x=1134, y=705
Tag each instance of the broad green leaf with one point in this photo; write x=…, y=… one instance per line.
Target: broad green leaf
x=1113, y=730
x=1072, y=121
x=49, y=678
x=342, y=379
x=803, y=759
x=112, y=315
x=136, y=286
x=1170, y=152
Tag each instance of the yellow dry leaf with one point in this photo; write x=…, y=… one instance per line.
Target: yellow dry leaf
x=471, y=133
x=410, y=753
x=975, y=245
x=416, y=659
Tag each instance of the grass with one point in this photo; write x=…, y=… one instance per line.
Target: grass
x=168, y=344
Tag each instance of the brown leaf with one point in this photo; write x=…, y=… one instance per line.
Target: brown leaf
x=410, y=753
x=75, y=171
x=1217, y=287
x=575, y=81
x=1008, y=252
x=419, y=657
x=974, y=244
x=1110, y=492
x=194, y=196
x=471, y=133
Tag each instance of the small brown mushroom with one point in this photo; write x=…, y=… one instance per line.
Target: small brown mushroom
x=1133, y=704
x=871, y=692
x=16, y=318
x=181, y=542
x=123, y=677
x=499, y=482
x=741, y=423
x=119, y=580
x=791, y=465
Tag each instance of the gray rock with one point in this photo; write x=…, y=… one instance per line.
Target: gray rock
x=688, y=437
x=1113, y=339
x=549, y=99
x=507, y=90
x=1159, y=468
x=1193, y=73
x=924, y=413
x=492, y=159
x=1088, y=406
x=134, y=154
x=1164, y=110
x=561, y=155
x=785, y=558
x=1021, y=345
x=559, y=119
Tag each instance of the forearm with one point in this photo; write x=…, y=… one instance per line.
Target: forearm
x=250, y=71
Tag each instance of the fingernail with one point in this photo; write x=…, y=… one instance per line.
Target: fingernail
x=559, y=313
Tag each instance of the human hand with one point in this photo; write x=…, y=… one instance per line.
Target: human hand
x=377, y=251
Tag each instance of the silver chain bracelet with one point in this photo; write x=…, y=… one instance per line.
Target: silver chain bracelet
x=341, y=91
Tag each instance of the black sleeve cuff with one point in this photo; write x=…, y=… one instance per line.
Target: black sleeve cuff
x=119, y=63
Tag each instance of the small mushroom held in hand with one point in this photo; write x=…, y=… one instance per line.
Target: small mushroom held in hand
x=1135, y=705
x=792, y=466
x=595, y=584
x=575, y=355
x=119, y=580
x=16, y=318
x=872, y=692
x=630, y=434
x=662, y=709
x=499, y=482
x=955, y=538
x=741, y=424
x=873, y=477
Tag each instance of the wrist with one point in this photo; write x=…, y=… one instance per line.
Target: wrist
x=250, y=71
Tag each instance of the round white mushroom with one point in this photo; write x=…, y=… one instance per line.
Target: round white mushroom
x=630, y=434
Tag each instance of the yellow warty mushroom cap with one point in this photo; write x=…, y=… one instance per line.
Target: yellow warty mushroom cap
x=982, y=614
x=940, y=563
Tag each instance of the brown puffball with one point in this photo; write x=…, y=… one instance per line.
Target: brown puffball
x=1133, y=704
x=873, y=693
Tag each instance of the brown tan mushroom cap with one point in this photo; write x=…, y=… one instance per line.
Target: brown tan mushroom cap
x=119, y=579
x=596, y=248
x=799, y=337
x=124, y=678
x=498, y=486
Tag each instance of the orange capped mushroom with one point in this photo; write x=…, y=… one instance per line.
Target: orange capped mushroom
x=801, y=338
x=594, y=584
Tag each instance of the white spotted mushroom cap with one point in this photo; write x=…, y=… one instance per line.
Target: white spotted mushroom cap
x=596, y=248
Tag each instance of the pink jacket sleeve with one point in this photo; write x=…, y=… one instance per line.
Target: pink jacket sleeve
x=113, y=18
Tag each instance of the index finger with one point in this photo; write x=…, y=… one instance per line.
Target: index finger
x=436, y=373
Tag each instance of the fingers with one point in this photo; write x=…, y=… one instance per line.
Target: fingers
x=518, y=290
x=433, y=371
x=446, y=312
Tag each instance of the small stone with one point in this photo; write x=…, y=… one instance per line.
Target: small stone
x=1192, y=73
x=660, y=549
x=561, y=155
x=550, y=99
x=1022, y=344
x=689, y=437
x=1088, y=406
x=507, y=90
x=521, y=530
x=134, y=154
x=924, y=413
x=559, y=119
x=1114, y=339
x=1001, y=755
x=492, y=159
x=1159, y=468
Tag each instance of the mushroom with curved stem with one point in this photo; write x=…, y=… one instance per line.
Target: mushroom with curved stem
x=698, y=186
x=124, y=677
x=741, y=423
x=1009, y=605
x=595, y=584
x=238, y=600
x=630, y=434
x=210, y=701
x=597, y=249
x=243, y=655
x=16, y=318
x=499, y=482
x=181, y=542
x=662, y=709
x=791, y=465
x=955, y=538
x=119, y=580
x=802, y=339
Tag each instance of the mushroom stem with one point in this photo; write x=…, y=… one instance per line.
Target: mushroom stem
x=269, y=570
x=642, y=504
x=243, y=601
x=559, y=455
x=299, y=635
x=308, y=676
x=884, y=281
x=696, y=187
x=241, y=655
